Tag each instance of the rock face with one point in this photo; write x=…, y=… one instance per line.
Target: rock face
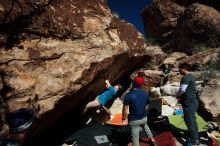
x=59, y=52
x=213, y=3
x=198, y=24
x=160, y=19
x=152, y=78
x=198, y=60
x=210, y=99
x=201, y=59
x=173, y=58
x=51, y=18
x=181, y=25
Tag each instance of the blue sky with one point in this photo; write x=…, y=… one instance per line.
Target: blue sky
x=129, y=10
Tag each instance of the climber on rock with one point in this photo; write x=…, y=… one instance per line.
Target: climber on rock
x=102, y=99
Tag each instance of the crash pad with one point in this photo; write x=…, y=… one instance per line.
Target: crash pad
x=116, y=120
x=99, y=135
x=177, y=122
x=164, y=139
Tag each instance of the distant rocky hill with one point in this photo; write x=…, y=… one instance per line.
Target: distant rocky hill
x=182, y=25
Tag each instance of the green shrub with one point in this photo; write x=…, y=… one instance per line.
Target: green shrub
x=205, y=75
x=200, y=48
x=213, y=64
x=210, y=69
x=151, y=41
x=149, y=65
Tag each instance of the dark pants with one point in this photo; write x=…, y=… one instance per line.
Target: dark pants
x=190, y=121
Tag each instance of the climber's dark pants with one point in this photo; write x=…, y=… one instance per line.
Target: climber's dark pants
x=190, y=121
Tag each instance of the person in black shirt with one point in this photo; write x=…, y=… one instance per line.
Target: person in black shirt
x=187, y=97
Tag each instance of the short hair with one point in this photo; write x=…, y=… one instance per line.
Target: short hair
x=185, y=66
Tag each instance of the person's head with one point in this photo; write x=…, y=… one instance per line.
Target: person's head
x=138, y=82
x=117, y=87
x=184, y=68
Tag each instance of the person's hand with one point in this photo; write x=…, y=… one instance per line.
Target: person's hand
x=107, y=81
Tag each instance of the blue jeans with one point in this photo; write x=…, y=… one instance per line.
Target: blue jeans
x=136, y=126
x=190, y=121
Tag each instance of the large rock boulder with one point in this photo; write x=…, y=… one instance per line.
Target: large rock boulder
x=186, y=3
x=169, y=90
x=152, y=78
x=180, y=25
x=59, y=53
x=158, y=54
x=172, y=59
x=201, y=59
x=160, y=19
x=199, y=24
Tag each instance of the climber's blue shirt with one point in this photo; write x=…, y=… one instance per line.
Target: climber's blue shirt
x=137, y=100
x=106, y=95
